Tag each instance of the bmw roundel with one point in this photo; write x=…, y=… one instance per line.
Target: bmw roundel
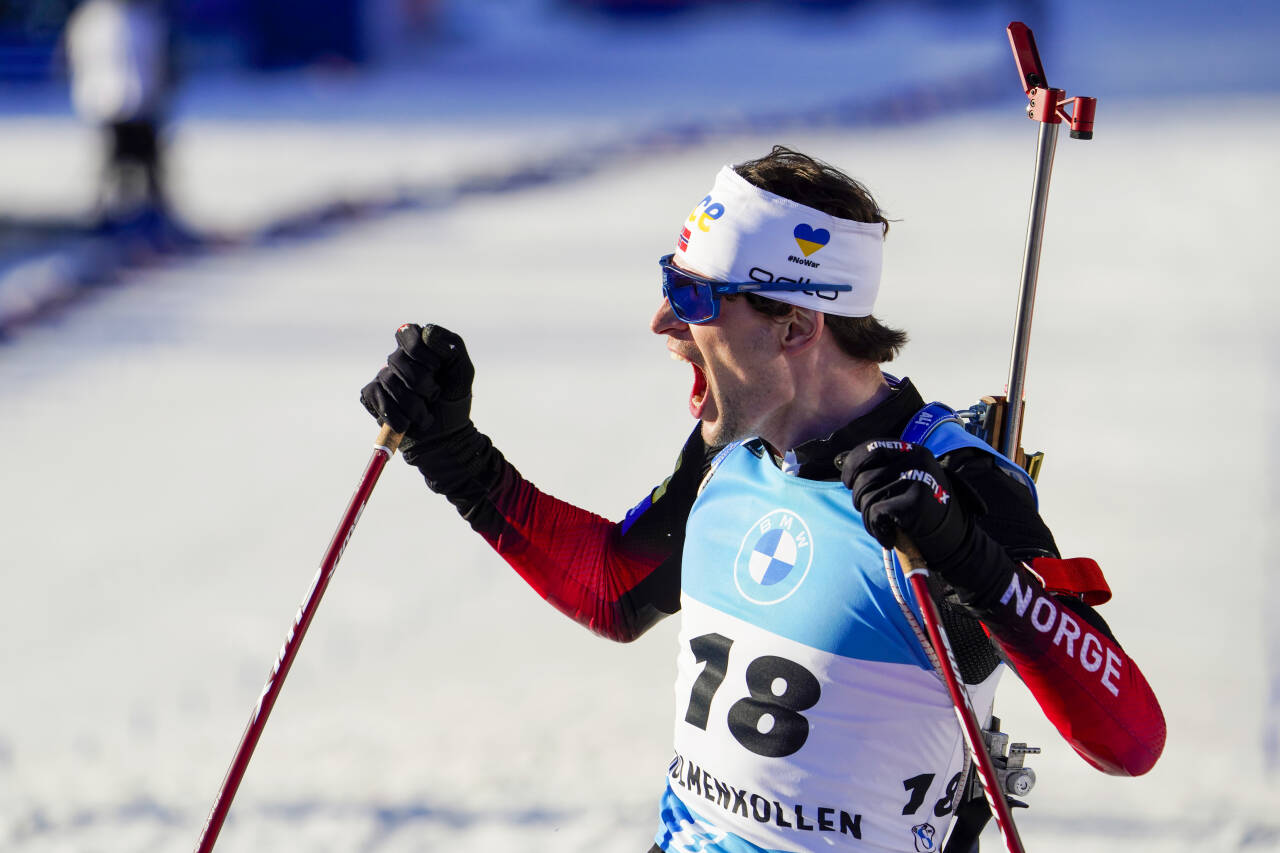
x=774, y=558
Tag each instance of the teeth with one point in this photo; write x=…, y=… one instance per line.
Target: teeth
x=675, y=356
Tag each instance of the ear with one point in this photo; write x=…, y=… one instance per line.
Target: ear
x=802, y=330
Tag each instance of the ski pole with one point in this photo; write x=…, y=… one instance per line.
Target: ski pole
x=384, y=448
x=917, y=573
x=1047, y=106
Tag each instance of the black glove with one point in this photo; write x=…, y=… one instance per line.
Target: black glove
x=901, y=489
x=425, y=392
x=425, y=389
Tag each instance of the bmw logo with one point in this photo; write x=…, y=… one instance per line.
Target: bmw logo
x=774, y=558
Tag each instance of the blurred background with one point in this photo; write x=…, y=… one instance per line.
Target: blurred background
x=215, y=213
x=174, y=126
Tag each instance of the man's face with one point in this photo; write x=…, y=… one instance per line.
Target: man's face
x=736, y=362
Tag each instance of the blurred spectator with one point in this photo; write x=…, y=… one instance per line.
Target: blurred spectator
x=118, y=52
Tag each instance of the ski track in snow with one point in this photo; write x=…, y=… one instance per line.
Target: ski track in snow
x=176, y=451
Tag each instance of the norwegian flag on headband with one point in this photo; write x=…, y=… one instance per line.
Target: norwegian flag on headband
x=682, y=242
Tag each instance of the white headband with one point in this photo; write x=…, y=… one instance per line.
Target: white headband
x=740, y=232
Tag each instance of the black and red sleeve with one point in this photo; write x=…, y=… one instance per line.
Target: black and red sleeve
x=1087, y=685
x=616, y=578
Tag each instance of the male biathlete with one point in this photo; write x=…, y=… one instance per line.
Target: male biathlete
x=809, y=716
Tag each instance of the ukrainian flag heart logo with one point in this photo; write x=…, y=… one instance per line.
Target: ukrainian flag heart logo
x=811, y=239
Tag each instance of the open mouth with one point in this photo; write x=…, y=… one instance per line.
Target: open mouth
x=698, y=393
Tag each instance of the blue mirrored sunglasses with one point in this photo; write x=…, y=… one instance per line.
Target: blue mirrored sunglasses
x=695, y=299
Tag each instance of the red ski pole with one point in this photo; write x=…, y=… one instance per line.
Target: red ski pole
x=384, y=448
x=913, y=566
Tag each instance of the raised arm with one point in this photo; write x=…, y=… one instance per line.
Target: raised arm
x=618, y=579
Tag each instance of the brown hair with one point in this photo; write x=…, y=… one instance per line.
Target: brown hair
x=815, y=184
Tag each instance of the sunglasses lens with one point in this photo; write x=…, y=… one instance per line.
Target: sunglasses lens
x=691, y=300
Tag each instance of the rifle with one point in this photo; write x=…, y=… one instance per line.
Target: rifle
x=1000, y=424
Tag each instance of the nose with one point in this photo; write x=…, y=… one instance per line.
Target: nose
x=665, y=322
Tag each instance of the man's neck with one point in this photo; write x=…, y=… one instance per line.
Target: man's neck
x=828, y=400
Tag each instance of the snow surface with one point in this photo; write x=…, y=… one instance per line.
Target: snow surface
x=176, y=452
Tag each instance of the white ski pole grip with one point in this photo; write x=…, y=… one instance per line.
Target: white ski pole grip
x=388, y=440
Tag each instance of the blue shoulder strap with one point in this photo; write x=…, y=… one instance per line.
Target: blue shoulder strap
x=940, y=429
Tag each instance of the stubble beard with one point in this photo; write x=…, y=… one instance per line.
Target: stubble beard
x=734, y=421
x=743, y=395
x=723, y=434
